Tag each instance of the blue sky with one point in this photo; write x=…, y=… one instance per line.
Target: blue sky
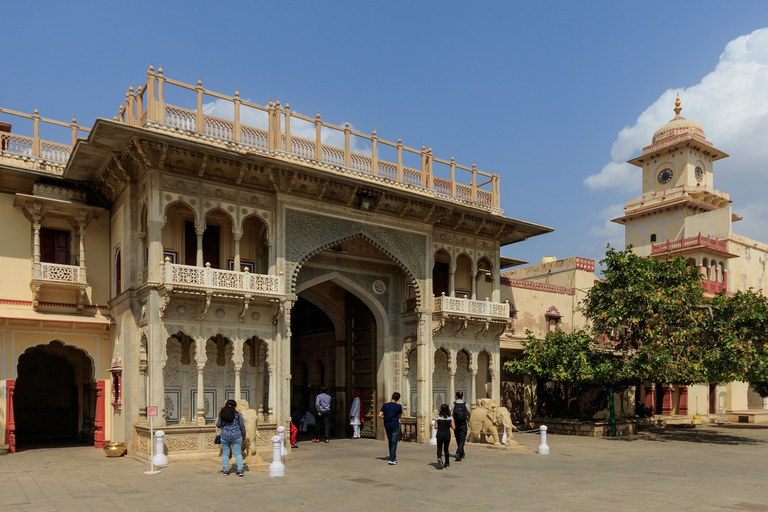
x=553, y=96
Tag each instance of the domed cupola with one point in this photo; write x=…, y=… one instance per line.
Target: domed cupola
x=678, y=126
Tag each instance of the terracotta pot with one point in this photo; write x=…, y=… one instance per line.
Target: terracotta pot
x=115, y=449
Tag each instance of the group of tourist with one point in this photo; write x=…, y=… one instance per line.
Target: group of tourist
x=451, y=417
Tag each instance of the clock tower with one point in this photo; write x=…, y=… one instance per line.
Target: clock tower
x=680, y=213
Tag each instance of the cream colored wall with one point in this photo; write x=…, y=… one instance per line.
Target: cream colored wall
x=683, y=164
x=531, y=306
x=714, y=224
x=749, y=269
x=737, y=396
x=666, y=227
x=16, y=256
x=117, y=237
x=698, y=399
x=98, y=260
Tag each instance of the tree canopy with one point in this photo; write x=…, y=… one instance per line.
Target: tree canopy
x=648, y=320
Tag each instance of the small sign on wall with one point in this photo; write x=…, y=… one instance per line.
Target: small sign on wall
x=152, y=412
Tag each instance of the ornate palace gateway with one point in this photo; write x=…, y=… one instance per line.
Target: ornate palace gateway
x=238, y=250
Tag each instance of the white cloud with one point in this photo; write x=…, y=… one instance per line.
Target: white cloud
x=610, y=232
x=731, y=104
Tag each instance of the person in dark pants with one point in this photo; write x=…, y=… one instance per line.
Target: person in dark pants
x=323, y=406
x=391, y=412
x=443, y=424
x=460, y=413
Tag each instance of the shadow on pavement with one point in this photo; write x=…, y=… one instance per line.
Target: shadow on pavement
x=720, y=434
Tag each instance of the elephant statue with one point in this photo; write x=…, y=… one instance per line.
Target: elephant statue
x=486, y=419
x=250, y=419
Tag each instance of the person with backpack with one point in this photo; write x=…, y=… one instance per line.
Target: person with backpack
x=460, y=413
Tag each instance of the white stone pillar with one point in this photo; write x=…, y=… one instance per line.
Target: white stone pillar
x=200, y=358
x=237, y=363
x=425, y=362
x=452, y=281
x=36, y=218
x=199, y=259
x=496, y=293
x=236, y=264
x=473, y=280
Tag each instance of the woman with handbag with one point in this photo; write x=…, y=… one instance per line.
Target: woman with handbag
x=232, y=436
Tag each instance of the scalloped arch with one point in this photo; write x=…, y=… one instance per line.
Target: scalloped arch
x=60, y=343
x=218, y=208
x=260, y=218
x=366, y=238
x=176, y=202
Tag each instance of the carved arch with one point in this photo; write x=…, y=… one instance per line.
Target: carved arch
x=220, y=208
x=179, y=201
x=58, y=343
x=258, y=216
x=360, y=235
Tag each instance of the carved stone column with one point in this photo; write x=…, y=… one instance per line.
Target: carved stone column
x=36, y=218
x=452, y=281
x=425, y=366
x=199, y=260
x=142, y=379
x=473, y=378
x=236, y=264
x=237, y=363
x=451, y=376
x=81, y=228
x=473, y=280
x=200, y=359
x=496, y=293
x=156, y=338
x=495, y=370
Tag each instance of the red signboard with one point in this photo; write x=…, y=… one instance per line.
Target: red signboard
x=151, y=412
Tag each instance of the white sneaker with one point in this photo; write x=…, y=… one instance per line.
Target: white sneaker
x=392, y=462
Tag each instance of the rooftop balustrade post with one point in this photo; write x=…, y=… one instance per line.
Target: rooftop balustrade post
x=374, y=155
x=160, y=104
x=399, y=159
x=430, y=175
x=288, y=137
x=453, y=176
x=36, y=148
x=139, y=103
x=129, y=106
x=347, y=156
x=199, y=116
x=236, y=124
x=318, y=138
x=424, y=170
x=496, y=191
x=474, y=182
x=73, y=127
x=151, y=100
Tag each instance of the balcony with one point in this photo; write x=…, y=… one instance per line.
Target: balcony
x=213, y=282
x=466, y=310
x=62, y=277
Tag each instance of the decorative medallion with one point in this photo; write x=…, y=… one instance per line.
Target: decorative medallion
x=255, y=200
x=219, y=313
x=255, y=316
x=243, y=211
x=218, y=192
x=337, y=293
x=180, y=184
x=168, y=197
x=379, y=287
x=231, y=209
x=181, y=310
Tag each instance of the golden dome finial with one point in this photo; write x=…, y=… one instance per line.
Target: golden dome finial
x=678, y=108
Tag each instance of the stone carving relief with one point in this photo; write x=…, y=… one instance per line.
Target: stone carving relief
x=210, y=373
x=311, y=233
x=172, y=370
x=229, y=366
x=461, y=380
x=440, y=377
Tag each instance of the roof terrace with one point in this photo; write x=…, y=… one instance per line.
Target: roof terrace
x=273, y=130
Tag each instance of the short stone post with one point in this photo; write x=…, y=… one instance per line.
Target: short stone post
x=433, y=438
x=281, y=433
x=160, y=459
x=504, y=437
x=277, y=468
x=543, y=448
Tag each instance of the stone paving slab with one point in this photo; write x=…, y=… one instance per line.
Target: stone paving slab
x=721, y=467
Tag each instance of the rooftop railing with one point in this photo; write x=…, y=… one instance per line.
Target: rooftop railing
x=223, y=119
x=484, y=308
x=703, y=242
x=34, y=147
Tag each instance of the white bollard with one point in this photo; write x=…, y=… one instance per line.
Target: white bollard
x=277, y=468
x=161, y=459
x=433, y=439
x=504, y=437
x=281, y=433
x=543, y=448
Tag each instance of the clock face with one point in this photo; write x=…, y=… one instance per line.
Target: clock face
x=665, y=176
x=699, y=174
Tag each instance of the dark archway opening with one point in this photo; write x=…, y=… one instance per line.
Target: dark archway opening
x=343, y=361
x=55, y=397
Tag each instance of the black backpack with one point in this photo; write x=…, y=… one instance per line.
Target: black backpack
x=460, y=412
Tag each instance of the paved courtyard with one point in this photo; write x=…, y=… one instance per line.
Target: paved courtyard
x=708, y=468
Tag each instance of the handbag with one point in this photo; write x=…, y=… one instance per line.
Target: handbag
x=217, y=439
